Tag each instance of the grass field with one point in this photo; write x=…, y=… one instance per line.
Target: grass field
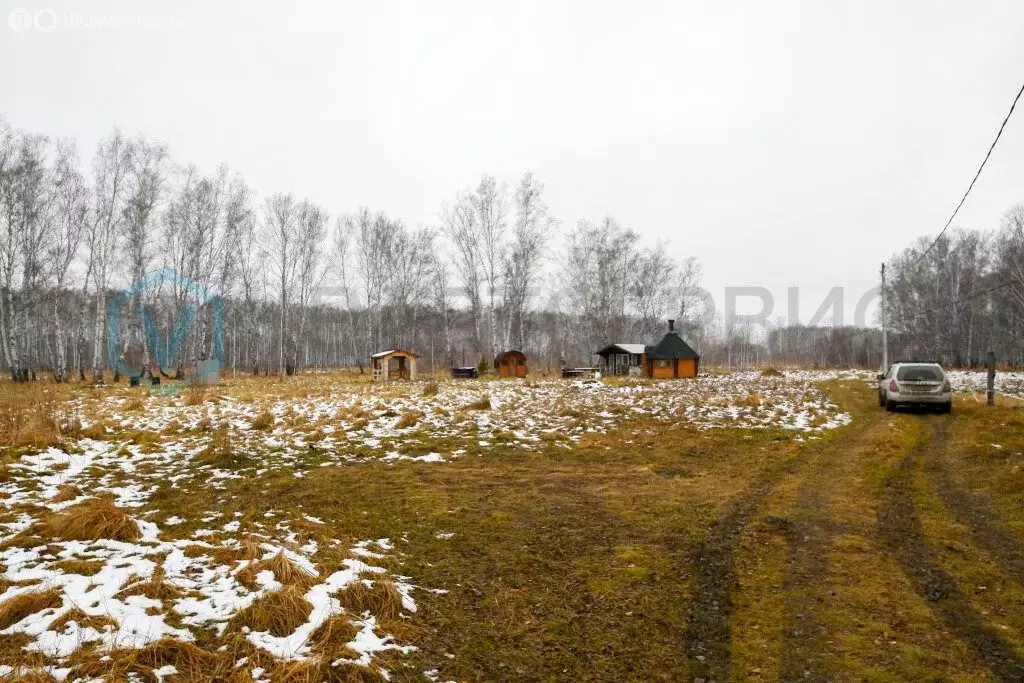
x=734, y=527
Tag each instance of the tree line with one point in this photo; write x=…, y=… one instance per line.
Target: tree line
x=961, y=295
x=299, y=286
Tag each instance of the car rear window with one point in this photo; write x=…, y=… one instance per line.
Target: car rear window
x=918, y=373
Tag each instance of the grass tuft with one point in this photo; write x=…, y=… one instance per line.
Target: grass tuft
x=380, y=599
x=278, y=613
x=263, y=421
x=16, y=608
x=90, y=520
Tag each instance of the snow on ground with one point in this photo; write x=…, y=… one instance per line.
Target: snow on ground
x=1009, y=383
x=347, y=422
x=139, y=442
x=103, y=580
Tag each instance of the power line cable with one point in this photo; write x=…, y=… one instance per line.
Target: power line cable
x=975, y=179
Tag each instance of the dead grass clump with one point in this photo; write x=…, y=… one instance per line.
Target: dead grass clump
x=157, y=588
x=97, y=431
x=133, y=404
x=771, y=372
x=29, y=421
x=430, y=389
x=218, y=451
x=12, y=653
x=408, y=419
x=22, y=605
x=285, y=571
x=173, y=427
x=278, y=613
x=380, y=599
x=80, y=567
x=67, y=492
x=193, y=663
x=482, y=403
x=99, y=622
x=749, y=401
x=333, y=636
x=204, y=425
x=90, y=520
x=263, y=421
x=194, y=394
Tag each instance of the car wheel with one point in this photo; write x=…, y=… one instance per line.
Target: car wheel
x=889, y=406
x=947, y=408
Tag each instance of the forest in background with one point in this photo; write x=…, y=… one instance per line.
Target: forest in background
x=302, y=287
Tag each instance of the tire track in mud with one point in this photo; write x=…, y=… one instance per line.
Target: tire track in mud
x=976, y=514
x=900, y=527
x=708, y=638
x=810, y=532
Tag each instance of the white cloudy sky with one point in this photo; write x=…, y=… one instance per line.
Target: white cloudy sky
x=783, y=143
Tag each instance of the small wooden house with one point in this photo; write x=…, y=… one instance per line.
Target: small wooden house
x=622, y=359
x=510, y=364
x=671, y=357
x=393, y=364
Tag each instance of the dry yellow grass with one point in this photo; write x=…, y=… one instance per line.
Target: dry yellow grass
x=285, y=571
x=16, y=608
x=430, y=389
x=194, y=395
x=381, y=599
x=278, y=613
x=263, y=421
x=156, y=588
x=81, y=567
x=409, y=419
x=98, y=622
x=66, y=492
x=89, y=520
x=482, y=403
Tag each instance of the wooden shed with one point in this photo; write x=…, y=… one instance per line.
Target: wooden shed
x=393, y=364
x=510, y=364
x=622, y=359
x=671, y=357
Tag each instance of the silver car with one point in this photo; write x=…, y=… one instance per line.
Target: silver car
x=915, y=384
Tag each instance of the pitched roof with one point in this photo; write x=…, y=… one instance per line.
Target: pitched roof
x=635, y=349
x=671, y=347
x=404, y=352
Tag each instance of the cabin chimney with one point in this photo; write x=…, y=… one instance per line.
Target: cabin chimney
x=671, y=325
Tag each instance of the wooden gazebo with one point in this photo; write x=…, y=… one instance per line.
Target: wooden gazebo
x=510, y=364
x=671, y=357
x=393, y=364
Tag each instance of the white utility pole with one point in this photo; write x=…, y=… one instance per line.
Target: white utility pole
x=885, y=340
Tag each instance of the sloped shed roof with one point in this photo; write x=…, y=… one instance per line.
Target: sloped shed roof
x=512, y=353
x=671, y=347
x=402, y=352
x=633, y=349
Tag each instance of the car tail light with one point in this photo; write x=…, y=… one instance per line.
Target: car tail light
x=893, y=386
x=946, y=388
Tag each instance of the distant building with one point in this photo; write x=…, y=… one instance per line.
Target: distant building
x=622, y=359
x=510, y=364
x=393, y=364
x=671, y=357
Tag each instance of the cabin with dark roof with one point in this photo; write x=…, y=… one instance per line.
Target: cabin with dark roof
x=671, y=357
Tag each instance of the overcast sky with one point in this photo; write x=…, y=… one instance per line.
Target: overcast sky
x=781, y=143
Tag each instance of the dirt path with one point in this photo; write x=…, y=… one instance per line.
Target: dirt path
x=900, y=527
x=708, y=636
x=810, y=536
x=974, y=512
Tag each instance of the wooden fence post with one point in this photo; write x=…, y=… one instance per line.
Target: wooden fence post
x=990, y=363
